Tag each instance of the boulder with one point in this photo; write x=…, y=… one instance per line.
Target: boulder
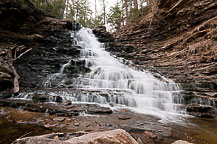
x=117, y=136
x=181, y=142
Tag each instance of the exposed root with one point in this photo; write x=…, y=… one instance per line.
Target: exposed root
x=8, y=72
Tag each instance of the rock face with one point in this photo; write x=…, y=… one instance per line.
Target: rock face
x=178, y=41
x=22, y=29
x=202, y=111
x=184, y=49
x=102, y=34
x=118, y=136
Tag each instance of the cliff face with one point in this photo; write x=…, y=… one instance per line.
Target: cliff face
x=22, y=29
x=179, y=38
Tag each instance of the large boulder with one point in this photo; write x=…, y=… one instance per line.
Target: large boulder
x=181, y=142
x=117, y=136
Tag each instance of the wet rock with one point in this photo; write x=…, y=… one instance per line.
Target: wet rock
x=46, y=98
x=5, y=94
x=48, y=59
x=76, y=124
x=96, y=109
x=112, y=104
x=181, y=142
x=202, y=111
x=124, y=118
x=118, y=136
x=58, y=108
x=67, y=103
x=150, y=134
x=68, y=24
x=60, y=119
x=40, y=98
x=75, y=26
x=58, y=99
x=39, y=107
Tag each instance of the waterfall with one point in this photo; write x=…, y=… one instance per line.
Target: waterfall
x=112, y=83
x=121, y=84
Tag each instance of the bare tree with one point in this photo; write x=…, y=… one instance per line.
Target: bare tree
x=95, y=8
x=127, y=14
x=135, y=4
x=104, y=11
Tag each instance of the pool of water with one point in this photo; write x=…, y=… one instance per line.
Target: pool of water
x=198, y=131
x=10, y=130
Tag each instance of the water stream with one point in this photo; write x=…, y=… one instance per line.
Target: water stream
x=111, y=82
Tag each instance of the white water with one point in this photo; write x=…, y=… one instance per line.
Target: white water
x=111, y=82
x=138, y=90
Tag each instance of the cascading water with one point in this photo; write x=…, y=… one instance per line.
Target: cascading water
x=111, y=81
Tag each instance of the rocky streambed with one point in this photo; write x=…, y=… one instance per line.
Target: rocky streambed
x=18, y=123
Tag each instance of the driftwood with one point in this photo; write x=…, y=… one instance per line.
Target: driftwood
x=8, y=71
x=16, y=78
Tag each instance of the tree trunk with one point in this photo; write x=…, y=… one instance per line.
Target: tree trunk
x=122, y=12
x=126, y=8
x=135, y=4
x=104, y=13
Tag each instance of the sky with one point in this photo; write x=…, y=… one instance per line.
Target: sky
x=109, y=3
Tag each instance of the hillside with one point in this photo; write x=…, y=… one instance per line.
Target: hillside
x=178, y=38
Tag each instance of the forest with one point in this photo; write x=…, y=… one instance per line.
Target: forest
x=91, y=14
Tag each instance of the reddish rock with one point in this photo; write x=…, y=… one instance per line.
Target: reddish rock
x=117, y=136
x=181, y=142
x=150, y=134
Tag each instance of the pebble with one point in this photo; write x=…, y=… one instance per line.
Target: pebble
x=60, y=119
x=76, y=124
